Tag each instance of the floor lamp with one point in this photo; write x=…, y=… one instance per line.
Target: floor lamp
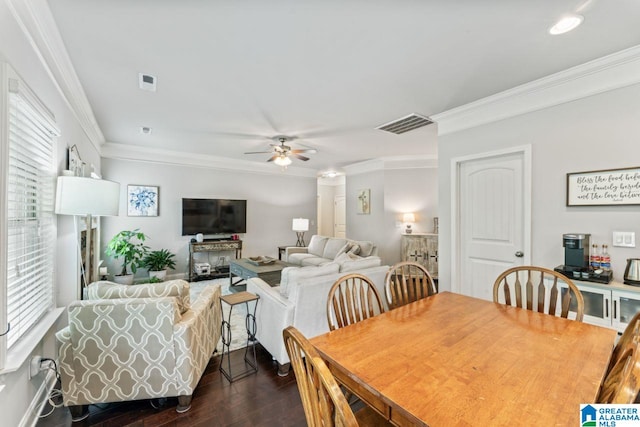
x=300, y=225
x=87, y=197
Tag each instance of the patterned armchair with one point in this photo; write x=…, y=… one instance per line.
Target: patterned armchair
x=137, y=342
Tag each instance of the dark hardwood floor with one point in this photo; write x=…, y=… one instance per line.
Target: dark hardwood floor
x=262, y=399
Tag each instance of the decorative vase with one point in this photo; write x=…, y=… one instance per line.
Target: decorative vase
x=124, y=280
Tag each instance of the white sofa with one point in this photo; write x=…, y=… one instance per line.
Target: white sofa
x=301, y=301
x=323, y=250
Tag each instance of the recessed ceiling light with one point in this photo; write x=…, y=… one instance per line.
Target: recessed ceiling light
x=145, y=130
x=566, y=24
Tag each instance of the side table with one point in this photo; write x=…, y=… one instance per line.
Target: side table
x=250, y=322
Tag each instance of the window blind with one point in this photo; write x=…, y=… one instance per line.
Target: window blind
x=30, y=215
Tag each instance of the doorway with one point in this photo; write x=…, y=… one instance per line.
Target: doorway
x=331, y=206
x=491, y=209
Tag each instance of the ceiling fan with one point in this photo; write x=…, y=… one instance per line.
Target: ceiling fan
x=282, y=153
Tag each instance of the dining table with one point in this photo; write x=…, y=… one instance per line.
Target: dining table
x=454, y=360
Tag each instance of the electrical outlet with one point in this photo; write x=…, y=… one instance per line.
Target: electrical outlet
x=34, y=366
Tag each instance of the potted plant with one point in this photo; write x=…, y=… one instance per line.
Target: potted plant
x=158, y=261
x=128, y=245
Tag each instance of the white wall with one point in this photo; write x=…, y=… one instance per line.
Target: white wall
x=19, y=392
x=408, y=190
x=272, y=202
x=598, y=132
x=393, y=192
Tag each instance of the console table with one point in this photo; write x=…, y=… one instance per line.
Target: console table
x=212, y=246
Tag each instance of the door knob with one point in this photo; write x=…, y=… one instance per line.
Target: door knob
x=519, y=254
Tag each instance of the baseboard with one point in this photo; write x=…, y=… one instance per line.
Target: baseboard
x=32, y=413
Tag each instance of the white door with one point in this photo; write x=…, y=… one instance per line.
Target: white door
x=492, y=220
x=340, y=217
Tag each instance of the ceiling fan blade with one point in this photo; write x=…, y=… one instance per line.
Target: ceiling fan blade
x=301, y=157
x=258, y=152
x=273, y=158
x=305, y=150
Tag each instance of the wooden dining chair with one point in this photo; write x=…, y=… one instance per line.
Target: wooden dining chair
x=323, y=402
x=631, y=333
x=537, y=289
x=352, y=298
x=622, y=384
x=407, y=282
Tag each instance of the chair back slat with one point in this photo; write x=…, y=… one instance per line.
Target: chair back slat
x=546, y=294
x=529, y=291
x=518, y=288
x=352, y=298
x=322, y=400
x=406, y=282
x=553, y=297
x=541, y=292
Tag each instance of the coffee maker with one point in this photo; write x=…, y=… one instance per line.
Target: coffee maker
x=576, y=260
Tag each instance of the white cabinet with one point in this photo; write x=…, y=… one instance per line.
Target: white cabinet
x=611, y=305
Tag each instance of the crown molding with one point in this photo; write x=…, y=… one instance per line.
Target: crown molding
x=391, y=163
x=600, y=75
x=36, y=21
x=117, y=151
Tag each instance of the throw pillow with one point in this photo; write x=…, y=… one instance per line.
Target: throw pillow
x=344, y=249
x=355, y=249
x=365, y=248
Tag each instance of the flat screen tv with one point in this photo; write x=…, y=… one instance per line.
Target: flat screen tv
x=213, y=216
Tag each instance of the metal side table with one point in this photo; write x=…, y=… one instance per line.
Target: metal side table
x=250, y=322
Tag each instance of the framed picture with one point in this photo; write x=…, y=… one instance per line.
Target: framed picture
x=364, y=202
x=609, y=187
x=142, y=200
x=74, y=162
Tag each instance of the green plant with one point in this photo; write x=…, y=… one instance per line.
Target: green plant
x=159, y=260
x=128, y=245
x=154, y=280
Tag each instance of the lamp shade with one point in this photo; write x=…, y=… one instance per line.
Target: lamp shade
x=282, y=161
x=300, y=224
x=77, y=195
x=408, y=217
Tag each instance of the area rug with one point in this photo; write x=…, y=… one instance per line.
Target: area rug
x=238, y=314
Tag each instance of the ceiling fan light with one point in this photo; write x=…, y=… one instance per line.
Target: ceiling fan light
x=282, y=161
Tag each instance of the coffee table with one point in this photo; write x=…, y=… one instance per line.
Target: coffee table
x=245, y=270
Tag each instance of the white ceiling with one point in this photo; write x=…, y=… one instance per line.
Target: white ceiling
x=232, y=74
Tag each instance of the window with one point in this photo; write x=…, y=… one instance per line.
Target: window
x=28, y=201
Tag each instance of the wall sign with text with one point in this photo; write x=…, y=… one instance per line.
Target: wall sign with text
x=604, y=187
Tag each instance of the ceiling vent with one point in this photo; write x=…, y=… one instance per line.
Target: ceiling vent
x=405, y=124
x=147, y=82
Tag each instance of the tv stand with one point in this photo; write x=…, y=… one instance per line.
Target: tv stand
x=212, y=246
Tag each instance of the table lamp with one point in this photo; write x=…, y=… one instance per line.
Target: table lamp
x=408, y=218
x=300, y=225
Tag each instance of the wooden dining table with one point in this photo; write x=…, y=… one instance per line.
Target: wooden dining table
x=454, y=360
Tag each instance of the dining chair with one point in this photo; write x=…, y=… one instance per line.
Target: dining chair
x=407, y=282
x=352, y=298
x=631, y=333
x=622, y=384
x=537, y=289
x=323, y=402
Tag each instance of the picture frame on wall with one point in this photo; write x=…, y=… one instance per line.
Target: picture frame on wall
x=608, y=187
x=143, y=200
x=364, y=202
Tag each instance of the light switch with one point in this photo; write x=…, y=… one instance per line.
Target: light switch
x=625, y=239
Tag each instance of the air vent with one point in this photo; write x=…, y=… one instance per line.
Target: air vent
x=405, y=124
x=147, y=82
